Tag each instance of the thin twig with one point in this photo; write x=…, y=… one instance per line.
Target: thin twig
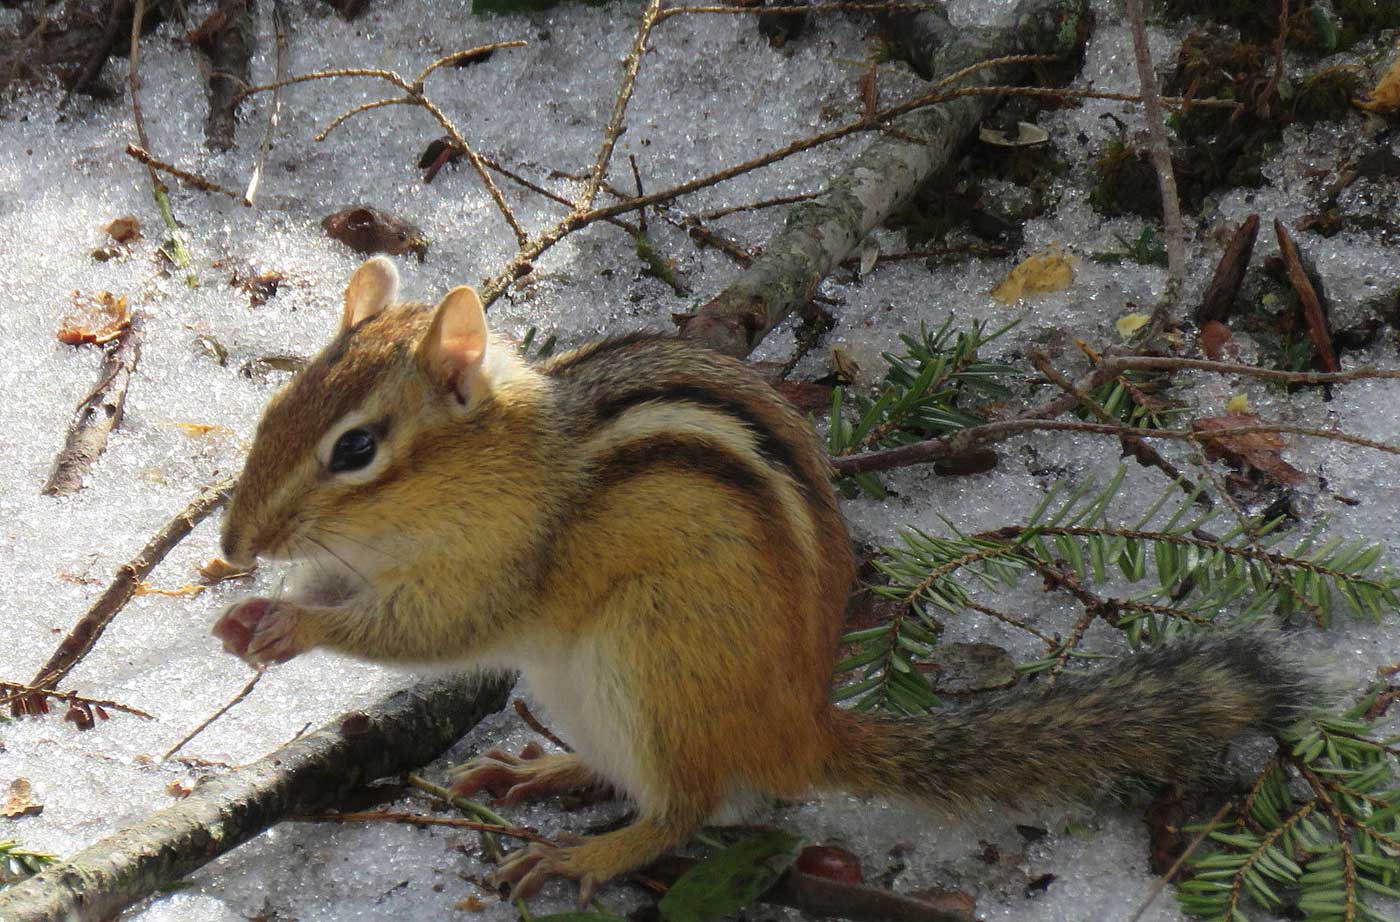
x=152, y=162
x=757, y=206
x=97, y=414
x=232, y=702
x=988, y=433
x=533, y=723
x=129, y=575
x=178, y=254
x=1161, y=882
x=279, y=25
x=1166, y=363
x=624, y=95
x=1175, y=236
x=417, y=819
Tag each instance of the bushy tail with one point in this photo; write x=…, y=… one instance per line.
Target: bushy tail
x=1165, y=714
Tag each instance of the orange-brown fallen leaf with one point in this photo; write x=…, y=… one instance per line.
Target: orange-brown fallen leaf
x=1051, y=269
x=98, y=318
x=19, y=800
x=189, y=589
x=200, y=430
x=124, y=229
x=217, y=570
x=1257, y=451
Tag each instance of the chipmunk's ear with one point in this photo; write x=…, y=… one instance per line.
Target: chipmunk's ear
x=455, y=347
x=372, y=288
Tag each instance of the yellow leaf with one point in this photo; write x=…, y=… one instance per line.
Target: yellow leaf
x=1238, y=404
x=199, y=430
x=1385, y=98
x=189, y=589
x=1051, y=269
x=1129, y=324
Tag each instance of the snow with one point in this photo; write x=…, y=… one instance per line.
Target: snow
x=711, y=92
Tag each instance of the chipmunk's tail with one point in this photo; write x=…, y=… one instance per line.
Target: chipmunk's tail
x=1165, y=715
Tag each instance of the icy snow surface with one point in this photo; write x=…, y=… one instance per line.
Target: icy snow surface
x=712, y=92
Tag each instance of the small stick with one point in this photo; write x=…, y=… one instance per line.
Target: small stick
x=178, y=254
x=1167, y=363
x=279, y=24
x=142, y=155
x=417, y=819
x=755, y=206
x=1307, y=294
x=624, y=95
x=637, y=178
x=243, y=693
x=129, y=575
x=97, y=414
x=1229, y=273
x=533, y=723
x=1160, y=150
x=1161, y=882
x=988, y=433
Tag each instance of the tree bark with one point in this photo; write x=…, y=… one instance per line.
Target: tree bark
x=403, y=731
x=818, y=234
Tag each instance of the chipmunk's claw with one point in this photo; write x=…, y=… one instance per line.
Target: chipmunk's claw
x=527, y=870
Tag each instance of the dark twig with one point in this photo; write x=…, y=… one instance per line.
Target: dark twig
x=201, y=183
x=129, y=575
x=228, y=706
x=1167, y=363
x=533, y=723
x=13, y=691
x=97, y=414
x=417, y=819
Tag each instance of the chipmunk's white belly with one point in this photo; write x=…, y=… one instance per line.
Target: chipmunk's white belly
x=593, y=709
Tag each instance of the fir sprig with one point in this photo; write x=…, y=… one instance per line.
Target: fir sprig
x=1189, y=579
x=926, y=392
x=17, y=862
x=1319, y=834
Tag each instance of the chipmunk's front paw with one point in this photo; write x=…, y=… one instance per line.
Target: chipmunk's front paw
x=260, y=631
x=530, y=868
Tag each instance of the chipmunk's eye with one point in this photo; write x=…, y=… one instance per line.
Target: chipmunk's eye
x=352, y=451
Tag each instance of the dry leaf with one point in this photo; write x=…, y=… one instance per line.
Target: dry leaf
x=1215, y=336
x=1258, y=451
x=843, y=366
x=1129, y=324
x=1385, y=98
x=200, y=430
x=806, y=396
x=217, y=570
x=1027, y=135
x=1051, y=269
x=19, y=800
x=124, y=229
x=98, y=318
x=178, y=789
x=189, y=589
x=369, y=230
x=471, y=904
x=1238, y=404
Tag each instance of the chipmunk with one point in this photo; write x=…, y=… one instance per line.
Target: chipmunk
x=648, y=532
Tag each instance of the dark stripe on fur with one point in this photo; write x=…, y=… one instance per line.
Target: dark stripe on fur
x=774, y=449
x=693, y=455
x=570, y=362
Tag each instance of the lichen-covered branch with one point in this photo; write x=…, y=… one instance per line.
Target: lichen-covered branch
x=822, y=232
x=404, y=730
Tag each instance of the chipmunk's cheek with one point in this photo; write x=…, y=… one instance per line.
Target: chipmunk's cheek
x=236, y=625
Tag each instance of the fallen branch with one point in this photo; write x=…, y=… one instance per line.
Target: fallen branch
x=976, y=436
x=820, y=233
x=406, y=729
x=129, y=575
x=97, y=414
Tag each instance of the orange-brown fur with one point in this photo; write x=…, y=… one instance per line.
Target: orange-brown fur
x=648, y=532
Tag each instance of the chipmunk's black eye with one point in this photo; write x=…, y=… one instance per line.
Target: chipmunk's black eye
x=352, y=451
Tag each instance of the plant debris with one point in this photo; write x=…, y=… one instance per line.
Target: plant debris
x=97, y=319
x=19, y=800
x=1250, y=451
x=369, y=231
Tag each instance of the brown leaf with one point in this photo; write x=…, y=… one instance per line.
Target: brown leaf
x=98, y=318
x=1258, y=451
x=1215, y=336
x=369, y=230
x=1309, y=296
x=217, y=570
x=805, y=395
x=202, y=36
x=124, y=229
x=19, y=800
x=185, y=591
x=178, y=789
x=261, y=288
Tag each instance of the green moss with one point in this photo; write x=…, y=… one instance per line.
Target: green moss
x=1125, y=183
x=1325, y=95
